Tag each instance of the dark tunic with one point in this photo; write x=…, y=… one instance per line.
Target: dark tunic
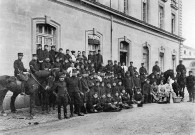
x=181, y=68
x=142, y=71
x=40, y=54
x=156, y=69
x=46, y=65
x=52, y=55
x=34, y=66
x=18, y=67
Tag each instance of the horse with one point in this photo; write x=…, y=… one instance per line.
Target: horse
x=10, y=83
x=169, y=74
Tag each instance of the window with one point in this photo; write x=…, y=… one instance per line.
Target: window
x=45, y=34
x=93, y=43
x=146, y=57
x=125, y=6
x=173, y=22
x=162, y=62
x=144, y=11
x=184, y=51
x=161, y=17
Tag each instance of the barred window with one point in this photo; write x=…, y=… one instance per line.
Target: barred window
x=125, y=6
x=173, y=22
x=161, y=17
x=145, y=10
x=93, y=43
x=45, y=35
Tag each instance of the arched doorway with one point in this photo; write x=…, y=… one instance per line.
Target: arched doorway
x=124, y=52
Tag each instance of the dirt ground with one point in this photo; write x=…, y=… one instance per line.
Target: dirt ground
x=152, y=119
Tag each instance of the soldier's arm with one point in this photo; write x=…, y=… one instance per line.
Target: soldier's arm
x=16, y=65
x=32, y=67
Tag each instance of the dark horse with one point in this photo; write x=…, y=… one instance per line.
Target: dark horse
x=10, y=83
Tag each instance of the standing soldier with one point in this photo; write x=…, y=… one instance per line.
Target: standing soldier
x=60, y=90
x=190, y=82
x=156, y=68
x=109, y=67
x=74, y=87
x=90, y=56
x=181, y=68
x=115, y=67
x=129, y=84
x=67, y=55
x=33, y=64
x=46, y=51
x=61, y=55
x=46, y=65
x=99, y=60
x=52, y=54
x=131, y=69
x=40, y=55
x=142, y=70
x=19, y=69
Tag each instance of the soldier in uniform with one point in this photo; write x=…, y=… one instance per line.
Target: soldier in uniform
x=46, y=64
x=33, y=64
x=190, y=82
x=109, y=67
x=67, y=55
x=84, y=56
x=142, y=70
x=146, y=91
x=99, y=60
x=128, y=84
x=115, y=67
x=137, y=81
x=156, y=68
x=52, y=54
x=90, y=56
x=181, y=68
x=57, y=65
x=46, y=52
x=19, y=69
x=40, y=55
x=60, y=90
x=60, y=54
x=131, y=69
x=74, y=90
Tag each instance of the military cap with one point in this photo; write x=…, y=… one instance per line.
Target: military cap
x=60, y=49
x=127, y=72
x=39, y=45
x=99, y=50
x=20, y=54
x=190, y=71
x=74, y=71
x=67, y=50
x=62, y=75
x=45, y=45
x=53, y=46
x=115, y=61
x=34, y=55
x=156, y=62
x=131, y=61
x=142, y=63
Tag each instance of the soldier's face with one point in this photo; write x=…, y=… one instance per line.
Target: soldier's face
x=61, y=79
x=35, y=58
x=67, y=52
x=20, y=57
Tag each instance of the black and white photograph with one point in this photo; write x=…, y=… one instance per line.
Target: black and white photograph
x=97, y=67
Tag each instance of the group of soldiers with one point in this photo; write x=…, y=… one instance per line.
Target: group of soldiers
x=89, y=86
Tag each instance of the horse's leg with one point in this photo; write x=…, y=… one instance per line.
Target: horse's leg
x=12, y=103
x=3, y=92
x=32, y=103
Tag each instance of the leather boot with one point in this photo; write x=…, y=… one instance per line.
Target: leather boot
x=59, y=116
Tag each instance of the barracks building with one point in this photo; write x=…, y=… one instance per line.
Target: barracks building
x=124, y=30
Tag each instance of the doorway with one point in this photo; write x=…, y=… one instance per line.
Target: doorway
x=123, y=57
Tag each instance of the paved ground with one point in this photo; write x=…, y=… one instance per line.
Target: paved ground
x=152, y=119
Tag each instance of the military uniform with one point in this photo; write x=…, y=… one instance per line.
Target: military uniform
x=52, y=55
x=34, y=66
x=142, y=71
x=129, y=85
x=74, y=87
x=156, y=69
x=146, y=92
x=40, y=55
x=181, y=68
x=190, y=82
x=62, y=97
x=19, y=67
x=99, y=60
x=131, y=71
x=46, y=65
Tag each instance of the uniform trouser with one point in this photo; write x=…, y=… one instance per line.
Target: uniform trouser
x=130, y=92
x=75, y=102
x=190, y=91
x=62, y=101
x=145, y=98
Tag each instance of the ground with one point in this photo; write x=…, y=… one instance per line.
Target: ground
x=152, y=119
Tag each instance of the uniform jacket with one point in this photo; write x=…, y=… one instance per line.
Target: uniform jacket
x=128, y=83
x=40, y=54
x=109, y=68
x=91, y=58
x=60, y=88
x=115, y=89
x=137, y=82
x=142, y=71
x=99, y=59
x=57, y=65
x=125, y=97
x=156, y=68
x=121, y=88
x=190, y=81
x=45, y=54
x=61, y=56
x=73, y=84
x=176, y=87
x=52, y=55
x=146, y=89
x=84, y=58
x=46, y=65
x=131, y=70
x=34, y=66
x=115, y=68
x=108, y=90
x=18, y=67
x=67, y=56
x=138, y=97
x=84, y=84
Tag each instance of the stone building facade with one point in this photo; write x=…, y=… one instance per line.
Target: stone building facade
x=188, y=57
x=124, y=30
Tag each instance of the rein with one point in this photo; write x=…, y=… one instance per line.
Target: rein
x=37, y=81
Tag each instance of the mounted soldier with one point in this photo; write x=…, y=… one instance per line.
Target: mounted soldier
x=156, y=68
x=181, y=68
x=19, y=71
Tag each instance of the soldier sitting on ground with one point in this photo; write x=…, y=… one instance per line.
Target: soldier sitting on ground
x=138, y=98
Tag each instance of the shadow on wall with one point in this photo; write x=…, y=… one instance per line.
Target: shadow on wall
x=22, y=101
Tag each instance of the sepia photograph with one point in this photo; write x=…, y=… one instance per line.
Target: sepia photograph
x=97, y=67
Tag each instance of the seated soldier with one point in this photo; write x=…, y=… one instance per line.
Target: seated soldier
x=46, y=65
x=154, y=92
x=125, y=98
x=57, y=65
x=108, y=88
x=102, y=88
x=117, y=99
x=96, y=105
x=120, y=86
x=114, y=88
x=107, y=103
x=177, y=89
x=138, y=98
x=19, y=71
x=33, y=64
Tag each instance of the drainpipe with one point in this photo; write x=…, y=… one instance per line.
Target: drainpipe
x=111, y=30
